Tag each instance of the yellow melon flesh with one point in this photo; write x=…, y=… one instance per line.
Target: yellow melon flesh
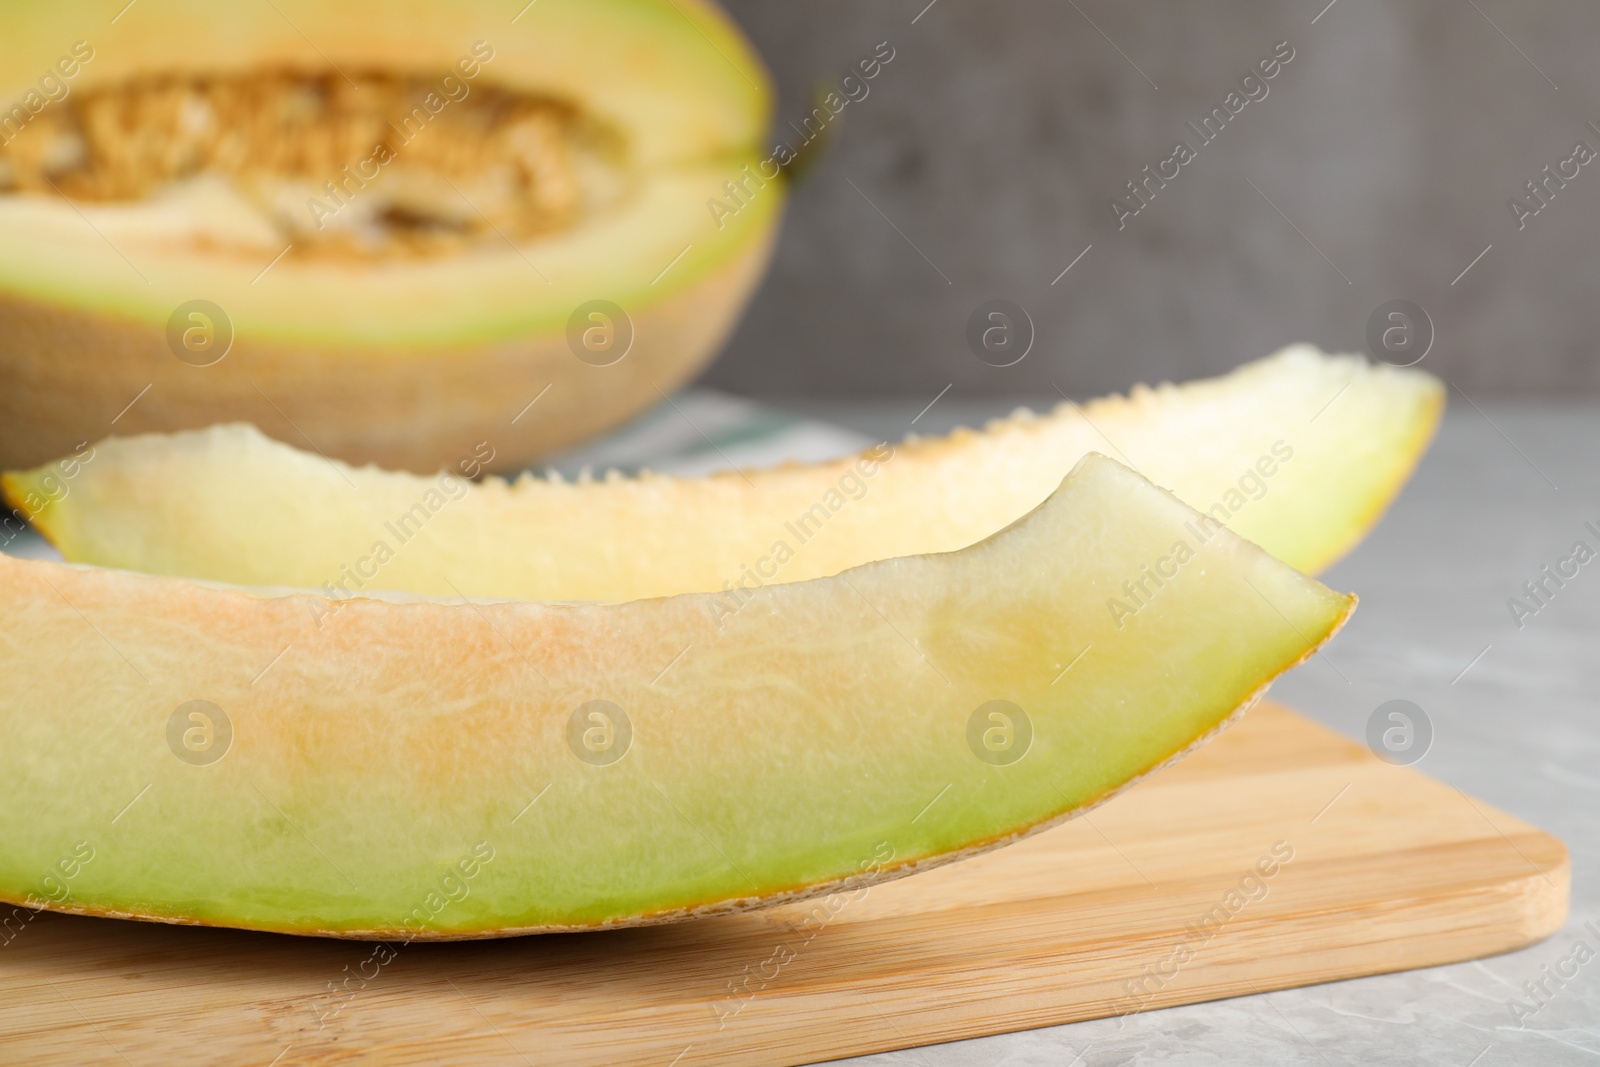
x=399, y=769
x=1300, y=453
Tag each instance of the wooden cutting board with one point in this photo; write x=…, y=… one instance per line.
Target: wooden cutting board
x=1279, y=855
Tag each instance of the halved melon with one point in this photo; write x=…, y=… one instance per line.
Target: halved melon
x=421, y=768
x=1300, y=453
x=397, y=208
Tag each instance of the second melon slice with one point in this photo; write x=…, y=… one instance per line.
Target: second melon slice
x=1300, y=453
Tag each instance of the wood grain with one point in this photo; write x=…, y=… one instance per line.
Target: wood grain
x=1125, y=910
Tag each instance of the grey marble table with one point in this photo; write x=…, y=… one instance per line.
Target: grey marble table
x=1503, y=492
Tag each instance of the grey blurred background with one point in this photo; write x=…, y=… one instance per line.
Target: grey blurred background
x=1383, y=159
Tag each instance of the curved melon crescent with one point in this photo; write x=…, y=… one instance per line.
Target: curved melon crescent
x=429, y=769
x=1300, y=453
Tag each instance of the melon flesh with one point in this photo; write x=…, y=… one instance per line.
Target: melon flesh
x=1300, y=453
x=401, y=768
x=395, y=226
x=683, y=98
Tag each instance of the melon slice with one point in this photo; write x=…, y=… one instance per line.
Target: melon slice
x=386, y=768
x=1300, y=453
x=394, y=209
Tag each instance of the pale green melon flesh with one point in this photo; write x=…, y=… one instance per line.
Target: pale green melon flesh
x=818, y=734
x=676, y=79
x=1300, y=453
